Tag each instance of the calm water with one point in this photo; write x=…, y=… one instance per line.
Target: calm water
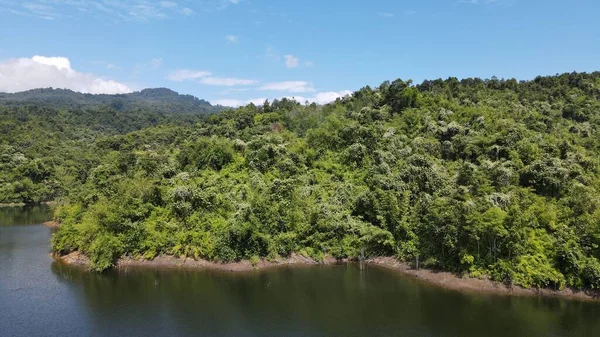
x=28, y=215
x=41, y=298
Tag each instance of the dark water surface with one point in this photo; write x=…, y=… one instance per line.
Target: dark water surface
x=39, y=297
x=26, y=215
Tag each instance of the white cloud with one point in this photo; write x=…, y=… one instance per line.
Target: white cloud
x=291, y=61
x=319, y=98
x=186, y=74
x=43, y=72
x=62, y=63
x=227, y=81
x=204, y=77
x=329, y=96
x=289, y=86
x=232, y=38
x=237, y=102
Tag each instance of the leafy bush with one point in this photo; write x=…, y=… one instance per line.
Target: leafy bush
x=104, y=251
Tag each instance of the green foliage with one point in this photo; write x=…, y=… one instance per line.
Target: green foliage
x=46, y=153
x=206, y=153
x=104, y=251
x=481, y=177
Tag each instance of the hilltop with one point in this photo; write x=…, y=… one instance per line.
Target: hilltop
x=157, y=100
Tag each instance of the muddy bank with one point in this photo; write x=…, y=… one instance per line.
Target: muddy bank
x=22, y=204
x=13, y=204
x=455, y=282
x=443, y=279
x=74, y=258
x=52, y=224
x=164, y=261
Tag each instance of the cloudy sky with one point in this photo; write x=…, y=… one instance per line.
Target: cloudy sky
x=232, y=52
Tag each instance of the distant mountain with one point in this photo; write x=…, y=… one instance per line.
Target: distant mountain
x=157, y=100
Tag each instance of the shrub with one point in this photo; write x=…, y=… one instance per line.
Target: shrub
x=104, y=251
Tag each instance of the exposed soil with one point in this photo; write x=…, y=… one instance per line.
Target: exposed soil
x=166, y=261
x=439, y=278
x=12, y=204
x=245, y=265
x=51, y=224
x=21, y=204
x=74, y=258
x=456, y=282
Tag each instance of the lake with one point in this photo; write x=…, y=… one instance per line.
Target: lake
x=39, y=297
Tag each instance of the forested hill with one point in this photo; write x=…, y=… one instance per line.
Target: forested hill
x=48, y=136
x=495, y=178
x=156, y=100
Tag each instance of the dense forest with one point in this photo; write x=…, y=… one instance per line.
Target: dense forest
x=496, y=178
x=48, y=136
x=158, y=100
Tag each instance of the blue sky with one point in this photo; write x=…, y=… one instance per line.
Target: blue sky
x=235, y=51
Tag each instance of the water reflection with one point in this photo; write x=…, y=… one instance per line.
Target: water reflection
x=39, y=297
x=317, y=301
x=25, y=215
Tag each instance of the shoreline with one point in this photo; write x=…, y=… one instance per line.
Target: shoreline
x=453, y=281
x=172, y=262
x=22, y=204
x=51, y=224
x=446, y=280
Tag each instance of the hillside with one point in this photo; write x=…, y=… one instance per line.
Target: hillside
x=48, y=136
x=156, y=100
x=479, y=177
